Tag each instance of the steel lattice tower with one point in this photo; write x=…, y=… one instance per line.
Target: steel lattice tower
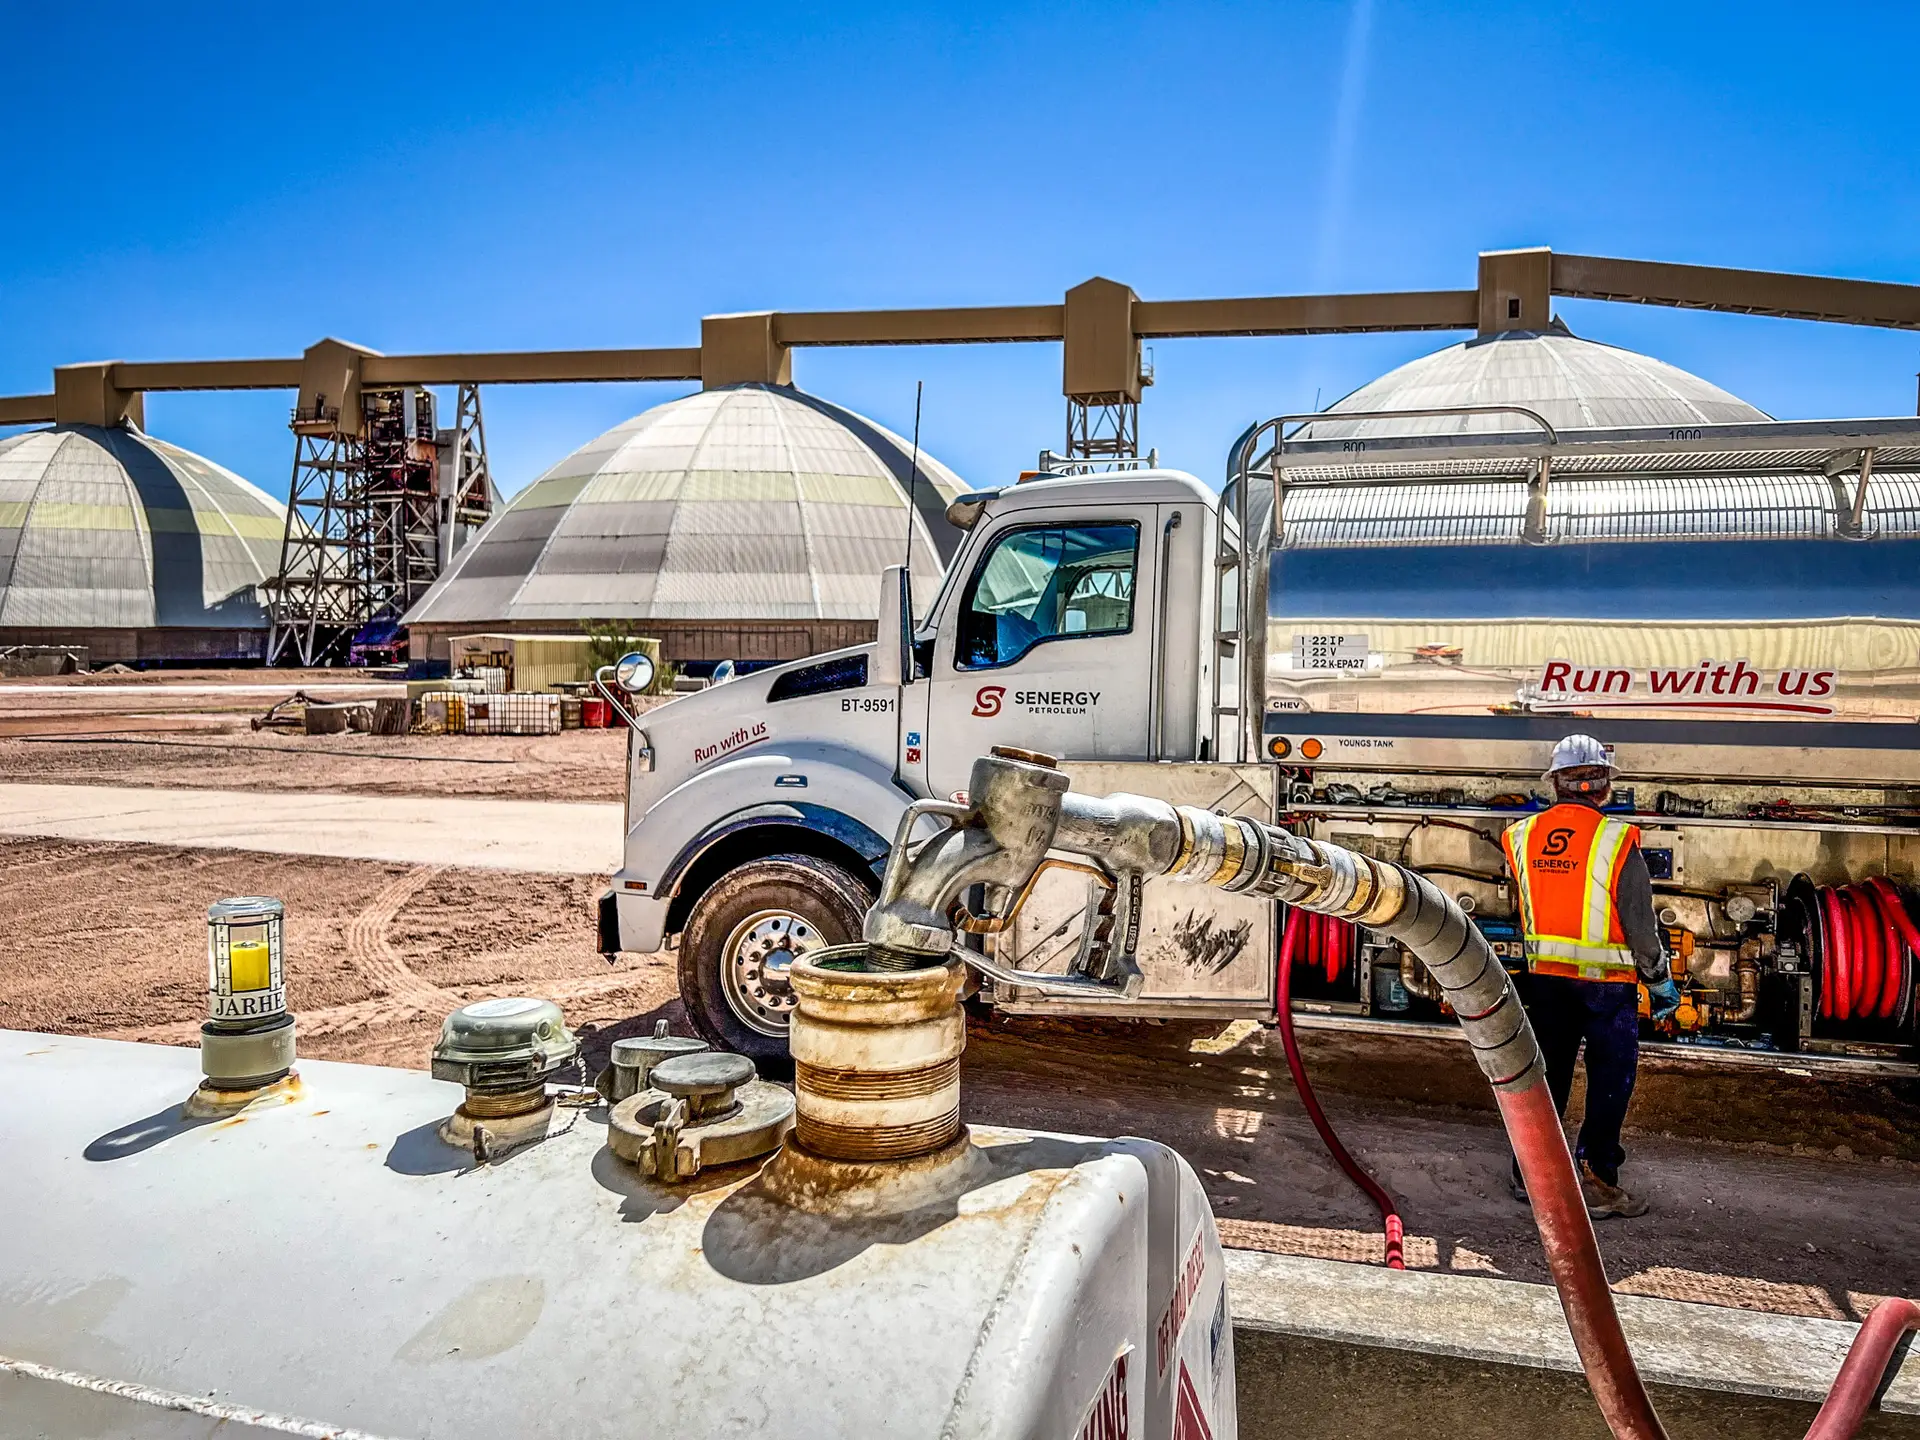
x=1103, y=427
x=372, y=516
x=319, y=597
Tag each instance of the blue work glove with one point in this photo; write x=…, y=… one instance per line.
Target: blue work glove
x=1663, y=999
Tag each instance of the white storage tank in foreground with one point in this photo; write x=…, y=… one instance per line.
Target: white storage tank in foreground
x=333, y=1263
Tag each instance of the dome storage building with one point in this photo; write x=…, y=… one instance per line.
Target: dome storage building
x=132, y=548
x=746, y=522
x=1575, y=384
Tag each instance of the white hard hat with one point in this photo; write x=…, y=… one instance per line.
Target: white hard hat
x=1578, y=752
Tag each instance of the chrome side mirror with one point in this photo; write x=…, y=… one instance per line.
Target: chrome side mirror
x=634, y=672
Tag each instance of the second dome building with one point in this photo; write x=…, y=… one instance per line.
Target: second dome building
x=749, y=522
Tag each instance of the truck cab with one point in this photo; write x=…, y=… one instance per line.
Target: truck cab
x=1073, y=621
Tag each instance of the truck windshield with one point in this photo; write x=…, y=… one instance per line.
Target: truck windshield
x=1045, y=583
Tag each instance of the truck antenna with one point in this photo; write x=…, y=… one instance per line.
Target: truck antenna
x=913, y=471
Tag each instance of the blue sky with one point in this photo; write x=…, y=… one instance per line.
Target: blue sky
x=186, y=182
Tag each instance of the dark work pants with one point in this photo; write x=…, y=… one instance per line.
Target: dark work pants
x=1605, y=1014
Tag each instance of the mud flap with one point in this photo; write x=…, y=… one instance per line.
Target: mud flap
x=609, y=924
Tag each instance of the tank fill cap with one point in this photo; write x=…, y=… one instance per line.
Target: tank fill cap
x=505, y=1044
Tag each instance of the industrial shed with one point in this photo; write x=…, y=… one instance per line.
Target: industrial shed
x=132, y=548
x=747, y=522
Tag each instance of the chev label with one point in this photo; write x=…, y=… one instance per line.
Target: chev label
x=746, y=735
x=1174, y=1318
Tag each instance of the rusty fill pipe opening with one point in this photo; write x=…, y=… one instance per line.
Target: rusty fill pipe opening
x=876, y=1056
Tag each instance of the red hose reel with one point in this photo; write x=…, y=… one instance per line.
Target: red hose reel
x=1327, y=944
x=1862, y=945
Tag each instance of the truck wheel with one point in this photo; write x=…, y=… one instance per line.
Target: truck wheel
x=743, y=934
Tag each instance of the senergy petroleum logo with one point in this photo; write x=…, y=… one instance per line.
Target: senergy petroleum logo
x=988, y=701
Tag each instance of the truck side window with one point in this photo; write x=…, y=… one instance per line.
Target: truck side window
x=1046, y=583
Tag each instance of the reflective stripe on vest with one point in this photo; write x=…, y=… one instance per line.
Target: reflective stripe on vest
x=1566, y=862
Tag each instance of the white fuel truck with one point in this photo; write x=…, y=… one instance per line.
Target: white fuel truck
x=1375, y=639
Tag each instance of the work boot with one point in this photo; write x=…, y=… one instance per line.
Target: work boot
x=1517, y=1185
x=1606, y=1202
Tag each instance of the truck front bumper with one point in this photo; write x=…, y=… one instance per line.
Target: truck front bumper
x=635, y=923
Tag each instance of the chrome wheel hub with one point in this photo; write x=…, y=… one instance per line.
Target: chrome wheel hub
x=754, y=965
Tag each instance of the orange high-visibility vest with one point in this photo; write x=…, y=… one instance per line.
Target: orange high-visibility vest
x=1566, y=861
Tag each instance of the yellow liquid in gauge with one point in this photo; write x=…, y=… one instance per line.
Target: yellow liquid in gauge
x=249, y=965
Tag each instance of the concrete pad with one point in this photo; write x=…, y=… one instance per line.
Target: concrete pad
x=1508, y=1323
x=551, y=837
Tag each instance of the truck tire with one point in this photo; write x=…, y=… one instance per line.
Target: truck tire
x=763, y=911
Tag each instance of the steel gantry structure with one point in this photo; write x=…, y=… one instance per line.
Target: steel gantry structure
x=360, y=548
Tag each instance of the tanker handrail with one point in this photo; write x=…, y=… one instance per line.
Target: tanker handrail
x=1279, y=423
x=1773, y=446
x=1425, y=412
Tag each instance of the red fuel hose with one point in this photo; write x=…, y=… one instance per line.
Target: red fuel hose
x=1901, y=931
x=1861, y=1372
x=1573, y=1255
x=1868, y=948
x=1459, y=957
x=1283, y=1011
x=1839, y=957
x=1858, y=950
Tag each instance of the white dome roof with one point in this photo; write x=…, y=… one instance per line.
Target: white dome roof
x=1574, y=383
x=748, y=502
x=113, y=528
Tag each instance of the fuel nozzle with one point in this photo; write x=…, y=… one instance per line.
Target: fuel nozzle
x=998, y=838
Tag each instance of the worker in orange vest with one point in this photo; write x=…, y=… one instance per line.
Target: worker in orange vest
x=1586, y=912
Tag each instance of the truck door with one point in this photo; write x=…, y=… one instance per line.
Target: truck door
x=1048, y=643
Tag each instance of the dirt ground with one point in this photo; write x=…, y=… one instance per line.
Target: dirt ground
x=110, y=939
x=193, y=733
x=1772, y=1190
x=1735, y=1221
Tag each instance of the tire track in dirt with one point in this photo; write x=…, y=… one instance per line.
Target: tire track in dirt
x=61, y=856
x=382, y=966
x=589, y=986
x=399, y=993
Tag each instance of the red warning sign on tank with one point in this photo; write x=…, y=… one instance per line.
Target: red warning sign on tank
x=1108, y=1415
x=1173, y=1319
x=1189, y=1416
